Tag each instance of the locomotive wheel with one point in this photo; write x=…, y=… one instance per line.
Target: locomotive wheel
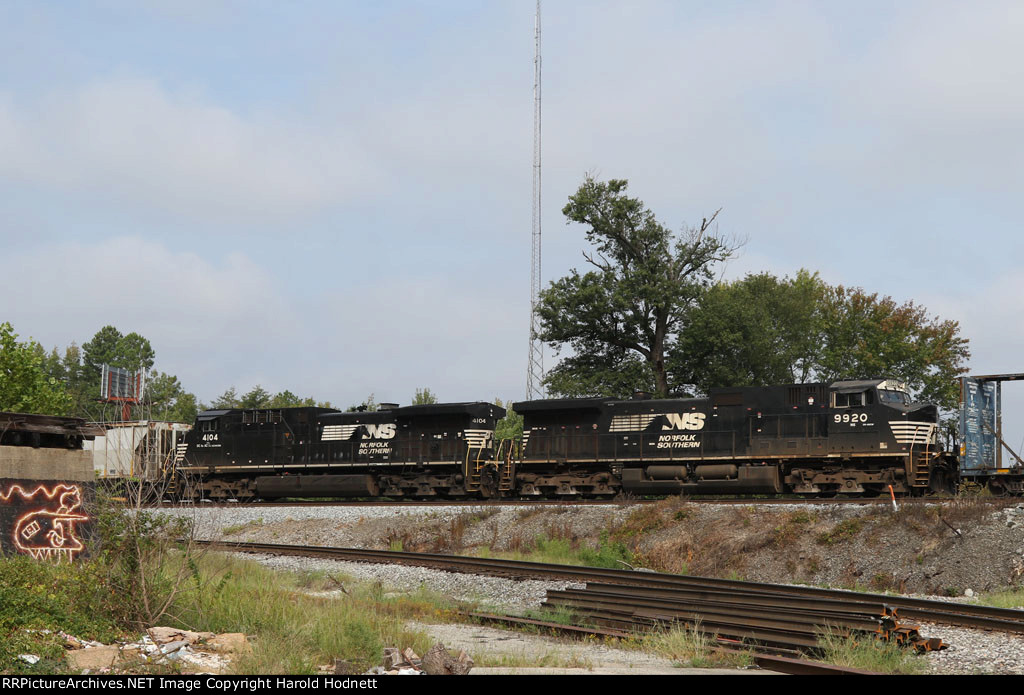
x=997, y=488
x=941, y=482
x=489, y=488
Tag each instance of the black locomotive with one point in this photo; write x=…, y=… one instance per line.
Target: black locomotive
x=849, y=437
x=415, y=451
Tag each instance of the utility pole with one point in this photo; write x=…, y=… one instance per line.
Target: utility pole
x=535, y=368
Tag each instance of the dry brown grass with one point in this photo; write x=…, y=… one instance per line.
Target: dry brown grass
x=643, y=519
x=562, y=530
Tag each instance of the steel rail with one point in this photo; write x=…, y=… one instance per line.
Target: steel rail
x=751, y=614
x=770, y=662
x=728, y=596
x=802, y=667
x=960, y=614
x=797, y=629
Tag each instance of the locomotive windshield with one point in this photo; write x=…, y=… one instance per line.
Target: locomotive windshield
x=897, y=397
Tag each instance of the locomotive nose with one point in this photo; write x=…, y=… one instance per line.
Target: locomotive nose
x=923, y=412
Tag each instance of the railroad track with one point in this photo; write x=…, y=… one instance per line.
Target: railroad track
x=770, y=661
x=784, y=616
x=206, y=504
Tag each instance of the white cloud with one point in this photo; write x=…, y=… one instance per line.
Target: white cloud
x=221, y=322
x=935, y=102
x=197, y=312
x=137, y=142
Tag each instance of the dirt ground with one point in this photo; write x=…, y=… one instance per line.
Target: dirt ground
x=507, y=652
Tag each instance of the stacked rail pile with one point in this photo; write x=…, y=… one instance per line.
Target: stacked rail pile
x=754, y=616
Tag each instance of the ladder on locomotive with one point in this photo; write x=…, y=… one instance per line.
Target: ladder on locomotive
x=169, y=470
x=921, y=461
x=504, y=463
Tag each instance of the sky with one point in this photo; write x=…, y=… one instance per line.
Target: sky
x=334, y=198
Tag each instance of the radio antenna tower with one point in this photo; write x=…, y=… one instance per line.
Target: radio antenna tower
x=535, y=368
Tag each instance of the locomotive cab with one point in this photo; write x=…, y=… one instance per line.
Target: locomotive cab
x=883, y=410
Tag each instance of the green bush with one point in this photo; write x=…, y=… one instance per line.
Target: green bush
x=36, y=597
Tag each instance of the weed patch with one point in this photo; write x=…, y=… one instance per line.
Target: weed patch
x=295, y=632
x=562, y=551
x=1013, y=598
x=843, y=531
x=37, y=599
x=688, y=646
x=238, y=528
x=644, y=519
x=869, y=654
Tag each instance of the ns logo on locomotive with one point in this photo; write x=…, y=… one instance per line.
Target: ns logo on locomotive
x=856, y=437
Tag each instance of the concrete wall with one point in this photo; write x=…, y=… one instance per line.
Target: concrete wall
x=44, y=495
x=27, y=463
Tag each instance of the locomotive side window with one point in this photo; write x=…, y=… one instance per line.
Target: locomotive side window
x=846, y=400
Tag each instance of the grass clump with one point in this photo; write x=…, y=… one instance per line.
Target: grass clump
x=38, y=599
x=233, y=529
x=869, y=654
x=843, y=531
x=552, y=659
x=688, y=646
x=562, y=551
x=1010, y=598
x=561, y=615
x=294, y=631
x=643, y=519
x=790, y=528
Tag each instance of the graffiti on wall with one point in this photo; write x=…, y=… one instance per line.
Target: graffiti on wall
x=42, y=520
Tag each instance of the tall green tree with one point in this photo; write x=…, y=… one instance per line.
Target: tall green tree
x=134, y=352
x=228, y=399
x=868, y=335
x=621, y=316
x=25, y=387
x=424, y=396
x=510, y=426
x=168, y=400
x=752, y=332
x=258, y=397
x=108, y=346
x=102, y=349
x=764, y=330
x=370, y=404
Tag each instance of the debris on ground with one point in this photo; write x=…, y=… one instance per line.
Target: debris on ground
x=193, y=652
x=436, y=662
